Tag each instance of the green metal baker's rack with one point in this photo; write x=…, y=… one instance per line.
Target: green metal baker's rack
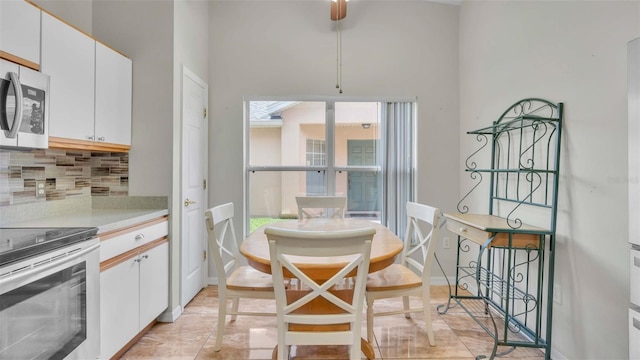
x=508, y=289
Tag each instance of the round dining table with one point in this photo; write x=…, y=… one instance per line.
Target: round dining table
x=385, y=246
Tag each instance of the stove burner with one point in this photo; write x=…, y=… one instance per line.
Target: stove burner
x=21, y=243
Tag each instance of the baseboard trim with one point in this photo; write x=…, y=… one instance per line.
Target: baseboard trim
x=170, y=315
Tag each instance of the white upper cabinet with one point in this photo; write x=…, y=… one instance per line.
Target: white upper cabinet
x=90, y=89
x=20, y=31
x=113, y=96
x=68, y=57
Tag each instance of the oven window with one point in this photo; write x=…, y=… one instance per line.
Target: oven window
x=46, y=318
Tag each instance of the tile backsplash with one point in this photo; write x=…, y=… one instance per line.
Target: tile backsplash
x=66, y=174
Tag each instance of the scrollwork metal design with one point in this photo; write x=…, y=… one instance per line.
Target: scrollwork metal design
x=516, y=223
x=530, y=304
x=517, y=276
x=475, y=175
x=481, y=138
x=463, y=246
x=539, y=132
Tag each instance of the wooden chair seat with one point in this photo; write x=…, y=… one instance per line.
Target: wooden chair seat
x=248, y=278
x=393, y=277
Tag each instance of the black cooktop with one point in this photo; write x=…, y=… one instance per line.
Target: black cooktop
x=22, y=243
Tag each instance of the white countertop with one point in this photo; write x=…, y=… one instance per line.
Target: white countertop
x=104, y=219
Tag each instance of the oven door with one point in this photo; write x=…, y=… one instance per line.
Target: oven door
x=51, y=310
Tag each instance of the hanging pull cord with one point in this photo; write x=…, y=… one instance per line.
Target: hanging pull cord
x=339, y=50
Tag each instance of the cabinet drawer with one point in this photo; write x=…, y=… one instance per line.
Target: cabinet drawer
x=480, y=236
x=120, y=241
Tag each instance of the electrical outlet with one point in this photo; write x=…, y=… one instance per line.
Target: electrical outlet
x=40, y=189
x=557, y=294
x=446, y=243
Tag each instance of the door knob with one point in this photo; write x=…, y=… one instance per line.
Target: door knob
x=188, y=202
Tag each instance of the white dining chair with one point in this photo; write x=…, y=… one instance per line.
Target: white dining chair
x=344, y=312
x=333, y=207
x=234, y=281
x=412, y=276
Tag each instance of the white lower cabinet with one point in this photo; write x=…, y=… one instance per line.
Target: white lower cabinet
x=134, y=286
x=119, y=304
x=154, y=283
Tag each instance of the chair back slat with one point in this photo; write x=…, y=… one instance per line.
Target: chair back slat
x=419, y=248
x=333, y=207
x=223, y=245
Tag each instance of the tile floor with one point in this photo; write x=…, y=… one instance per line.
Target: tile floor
x=192, y=335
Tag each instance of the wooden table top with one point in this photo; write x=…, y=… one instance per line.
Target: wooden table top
x=384, y=247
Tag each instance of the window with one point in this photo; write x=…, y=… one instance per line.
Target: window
x=328, y=148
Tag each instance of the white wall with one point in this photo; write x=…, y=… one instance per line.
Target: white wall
x=75, y=12
x=572, y=52
x=390, y=49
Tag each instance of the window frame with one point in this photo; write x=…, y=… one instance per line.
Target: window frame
x=330, y=168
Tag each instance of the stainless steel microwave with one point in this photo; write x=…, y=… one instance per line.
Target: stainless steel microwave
x=24, y=113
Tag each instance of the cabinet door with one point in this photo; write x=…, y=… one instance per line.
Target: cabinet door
x=634, y=335
x=154, y=283
x=68, y=57
x=113, y=96
x=20, y=30
x=119, y=301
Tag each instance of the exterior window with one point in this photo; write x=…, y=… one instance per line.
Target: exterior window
x=315, y=152
x=316, y=148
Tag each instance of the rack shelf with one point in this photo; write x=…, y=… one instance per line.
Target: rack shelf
x=507, y=264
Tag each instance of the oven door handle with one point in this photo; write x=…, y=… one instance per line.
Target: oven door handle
x=51, y=264
x=12, y=132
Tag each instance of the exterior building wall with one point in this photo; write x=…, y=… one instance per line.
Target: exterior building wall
x=273, y=193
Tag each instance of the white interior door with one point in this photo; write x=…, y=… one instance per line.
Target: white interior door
x=194, y=160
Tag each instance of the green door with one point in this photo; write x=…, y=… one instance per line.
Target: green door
x=362, y=191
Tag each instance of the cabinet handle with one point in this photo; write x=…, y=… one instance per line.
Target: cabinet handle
x=636, y=261
x=91, y=137
x=636, y=323
x=101, y=138
x=139, y=237
x=463, y=230
x=145, y=256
